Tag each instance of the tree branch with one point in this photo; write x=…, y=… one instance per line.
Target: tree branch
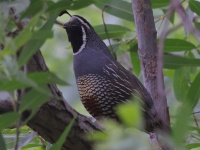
x=53, y=117
x=177, y=6
x=148, y=51
x=45, y=122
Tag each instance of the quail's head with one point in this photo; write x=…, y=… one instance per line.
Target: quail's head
x=78, y=29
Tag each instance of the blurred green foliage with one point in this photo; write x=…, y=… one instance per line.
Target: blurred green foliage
x=181, y=67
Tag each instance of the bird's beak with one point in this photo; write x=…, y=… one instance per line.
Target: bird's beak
x=65, y=25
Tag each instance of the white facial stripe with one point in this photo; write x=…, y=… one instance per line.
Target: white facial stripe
x=84, y=42
x=82, y=22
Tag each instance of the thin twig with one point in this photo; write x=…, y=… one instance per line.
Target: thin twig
x=20, y=27
x=195, y=120
x=196, y=112
x=162, y=38
x=167, y=14
x=185, y=20
x=160, y=80
x=105, y=28
x=196, y=138
x=17, y=134
x=56, y=21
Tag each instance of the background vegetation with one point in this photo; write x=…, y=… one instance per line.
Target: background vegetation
x=181, y=66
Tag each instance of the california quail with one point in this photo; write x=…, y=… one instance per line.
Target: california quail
x=102, y=82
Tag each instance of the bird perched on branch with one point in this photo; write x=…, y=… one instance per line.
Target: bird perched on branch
x=102, y=82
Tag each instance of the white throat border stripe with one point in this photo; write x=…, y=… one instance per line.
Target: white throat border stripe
x=84, y=42
x=83, y=22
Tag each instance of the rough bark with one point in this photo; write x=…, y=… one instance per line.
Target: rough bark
x=148, y=50
x=53, y=117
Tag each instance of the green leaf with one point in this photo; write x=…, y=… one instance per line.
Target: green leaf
x=177, y=45
x=27, y=139
x=33, y=100
x=130, y=114
x=21, y=39
x=9, y=85
x=45, y=78
x=121, y=9
x=159, y=3
x=59, y=6
x=113, y=31
x=69, y=5
x=42, y=34
x=135, y=63
x=2, y=142
x=38, y=39
x=193, y=95
x=193, y=70
x=97, y=136
x=134, y=57
x=34, y=8
x=33, y=146
x=194, y=6
x=197, y=25
x=31, y=80
x=172, y=16
x=8, y=119
x=174, y=62
x=78, y=4
x=169, y=73
x=192, y=145
x=181, y=124
x=181, y=83
x=29, y=49
x=63, y=137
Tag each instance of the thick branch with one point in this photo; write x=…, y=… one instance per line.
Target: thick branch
x=148, y=50
x=54, y=116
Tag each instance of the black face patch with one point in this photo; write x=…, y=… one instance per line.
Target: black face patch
x=75, y=36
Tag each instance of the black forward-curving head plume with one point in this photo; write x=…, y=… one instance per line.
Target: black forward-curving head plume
x=77, y=30
x=64, y=12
